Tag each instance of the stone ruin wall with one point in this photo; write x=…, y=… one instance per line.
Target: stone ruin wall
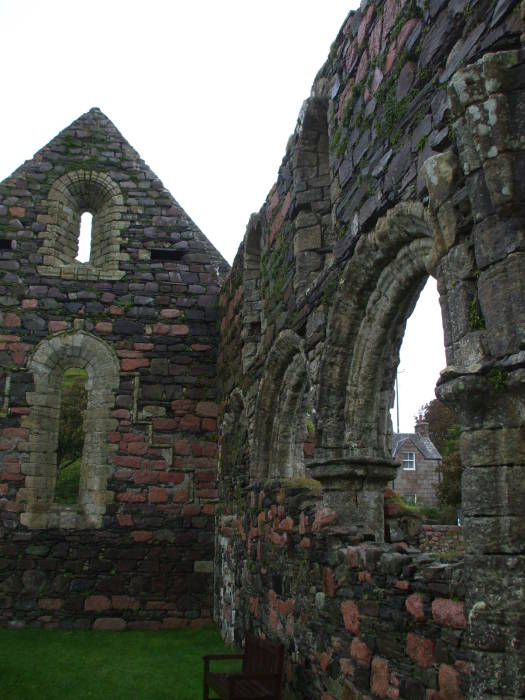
x=137, y=551
x=406, y=161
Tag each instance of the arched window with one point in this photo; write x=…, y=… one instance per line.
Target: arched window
x=71, y=436
x=84, y=239
x=74, y=197
x=52, y=359
x=281, y=411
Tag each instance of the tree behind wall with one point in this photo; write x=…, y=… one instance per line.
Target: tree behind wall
x=444, y=433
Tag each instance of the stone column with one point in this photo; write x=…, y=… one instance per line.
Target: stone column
x=477, y=200
x=354, y=488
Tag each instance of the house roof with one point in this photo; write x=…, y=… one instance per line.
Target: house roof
x=423, y=443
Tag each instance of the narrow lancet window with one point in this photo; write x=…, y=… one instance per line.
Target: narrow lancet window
x=84, y=239
x=70, y=436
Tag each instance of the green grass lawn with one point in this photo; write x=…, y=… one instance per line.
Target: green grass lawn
x=58, y=665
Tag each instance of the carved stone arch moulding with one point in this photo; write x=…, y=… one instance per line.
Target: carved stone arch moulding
x=233, y=432
x=252, y=316
x=281, y=411
x=314, y=233
x=69, y=197
x=52, y=357
x=377, y=293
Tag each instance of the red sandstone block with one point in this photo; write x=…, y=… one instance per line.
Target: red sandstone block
x=161, y=328
x=110, y=624
x=104, y=327
x=12, y=466
x=22, y=433
x=141, y=536
x=403, y=585
x=189, y=423
x=181, y=496
x=5, y=476
x=131, y=497
x=19, y=410
x=165, y=423
x=97, y=603
x=199, y=347
x=206, y=476
x=414, y=605
x=13, y=321
x=125, y=520
x=114, y=437
x=13, y=506
x=360, y=652
x=10, y=338
x=420, y=650
x=145, y=477
x=449, y=613
x=324, y=662
x=207, y=493
x=182, y=406
x=208, y=509
x=209, y=425
x=285, y=607
x=305, y=543
x=128, y=365
x=124, y=602
x=143, y=347
x=3, y=489
x=449, y=683
x=157, y=495
x=134, y=448
x=127, y=461
x=207, y=409
x=170, y=313
x=190, y=510
x=17, y=211
x=179, y=329
x=392, y=508
x=380, y=679
x=115, y=310
x=29, y=303
x=323, y=518
x=329, y=583
x=120, y=413
x=351, y=616
x=171, y=477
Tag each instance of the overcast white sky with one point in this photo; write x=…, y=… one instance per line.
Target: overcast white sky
x=207, y=92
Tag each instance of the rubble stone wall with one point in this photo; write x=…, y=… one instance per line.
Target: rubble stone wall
x=140, y=317
x=407, y=160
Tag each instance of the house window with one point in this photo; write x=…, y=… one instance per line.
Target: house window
x=410, y=498
x=409, y=461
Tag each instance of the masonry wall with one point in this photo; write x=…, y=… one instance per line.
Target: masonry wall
x=137, y=550
x=379, y=188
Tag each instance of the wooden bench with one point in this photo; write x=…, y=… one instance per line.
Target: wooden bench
x=261, y=675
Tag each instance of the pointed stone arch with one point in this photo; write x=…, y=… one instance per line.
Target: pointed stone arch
x=280, y=412
x=377, y=293
x=50, y=360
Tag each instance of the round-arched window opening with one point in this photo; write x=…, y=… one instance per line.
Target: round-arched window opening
x=84, y=238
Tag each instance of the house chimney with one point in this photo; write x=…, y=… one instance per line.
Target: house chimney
x=421, y=427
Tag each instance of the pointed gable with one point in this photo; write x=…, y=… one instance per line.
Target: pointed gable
x=90, y=167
